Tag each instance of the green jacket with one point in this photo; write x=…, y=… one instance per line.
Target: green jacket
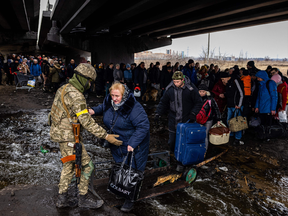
x=54, y=72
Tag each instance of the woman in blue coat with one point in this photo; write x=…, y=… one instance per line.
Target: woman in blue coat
x=131, y=123
x=266, y=101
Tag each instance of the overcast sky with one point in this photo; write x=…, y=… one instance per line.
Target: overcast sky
x=258, y=41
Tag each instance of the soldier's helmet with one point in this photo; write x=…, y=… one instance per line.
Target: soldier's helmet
x=86, y=70
x=178, y=75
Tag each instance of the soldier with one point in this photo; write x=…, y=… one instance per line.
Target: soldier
x=61, y=131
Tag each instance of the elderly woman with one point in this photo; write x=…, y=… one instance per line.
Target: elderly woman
x=130, y=121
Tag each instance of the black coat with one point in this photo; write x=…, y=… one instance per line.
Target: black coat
x=108, y=75
x=191, y=103
x=14, y=67
x=139, y=76
x=166, y=78
x=70, y=70
x=155, y=75
x=45, y=69
x=234, y=92
x=99, y=82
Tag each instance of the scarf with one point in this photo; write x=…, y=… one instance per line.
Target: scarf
x=79, y=82
x=124, y=99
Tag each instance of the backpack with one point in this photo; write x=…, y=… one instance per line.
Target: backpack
x=204, y=113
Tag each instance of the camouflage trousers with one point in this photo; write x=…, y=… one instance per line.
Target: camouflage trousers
x=68, y=170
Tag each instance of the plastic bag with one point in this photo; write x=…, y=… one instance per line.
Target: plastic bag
x=282, y=116
x=125, y=181
x=31, y=83
x=255, y=122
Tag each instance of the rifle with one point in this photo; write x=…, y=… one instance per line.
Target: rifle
x=78, y=150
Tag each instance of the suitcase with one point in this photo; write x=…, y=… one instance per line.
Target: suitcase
x=190, y=143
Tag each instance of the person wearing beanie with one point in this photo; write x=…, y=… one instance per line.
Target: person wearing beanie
x=267, y=98
x=246, y=79
x=190, y=72
x=155, y=76
x=211, y=105
x=282, y=88
x=128, y=77
x=234, y=93
x=183, y=102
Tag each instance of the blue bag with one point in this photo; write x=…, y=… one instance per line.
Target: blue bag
x=190, y=143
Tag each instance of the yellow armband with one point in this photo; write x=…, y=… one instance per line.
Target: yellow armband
x=82, y=112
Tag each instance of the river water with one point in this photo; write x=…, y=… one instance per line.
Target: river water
x=216, y=192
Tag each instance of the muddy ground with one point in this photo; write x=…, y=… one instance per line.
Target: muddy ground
x=251, y=178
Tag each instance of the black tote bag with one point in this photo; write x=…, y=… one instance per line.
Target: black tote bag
x=125, y=181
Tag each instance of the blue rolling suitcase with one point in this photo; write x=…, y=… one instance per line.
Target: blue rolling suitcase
x=190, y=143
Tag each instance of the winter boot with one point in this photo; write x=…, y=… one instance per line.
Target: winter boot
x=62, y=200
x=87, y=201
x=127, y=206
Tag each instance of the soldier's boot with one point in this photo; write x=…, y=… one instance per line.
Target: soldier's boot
x=87, y=201
x=62, y=200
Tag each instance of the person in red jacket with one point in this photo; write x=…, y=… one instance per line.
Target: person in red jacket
x=282, y=88
x=219, y=90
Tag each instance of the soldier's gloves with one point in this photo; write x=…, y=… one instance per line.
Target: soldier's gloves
x=192, y=117
x=156, y=119
x=111, y=139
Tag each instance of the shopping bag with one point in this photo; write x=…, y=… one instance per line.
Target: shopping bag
x=282, y=116
x=31, y=83
x=237, y=123
x=125, y=181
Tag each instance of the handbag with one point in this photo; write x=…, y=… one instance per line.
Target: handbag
x=237, y=123
x=104, y=143
x=125, y=181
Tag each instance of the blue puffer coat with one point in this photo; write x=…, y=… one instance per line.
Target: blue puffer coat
x=132, y=125
x=191, y=73
x=266, y=100
x=35, y=70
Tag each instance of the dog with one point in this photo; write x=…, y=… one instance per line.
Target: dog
x=151, y=94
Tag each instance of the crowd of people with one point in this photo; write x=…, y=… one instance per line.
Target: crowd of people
x=48, y=72
x=185, y=91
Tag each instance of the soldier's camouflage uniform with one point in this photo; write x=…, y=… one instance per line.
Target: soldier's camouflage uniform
x=61, y=131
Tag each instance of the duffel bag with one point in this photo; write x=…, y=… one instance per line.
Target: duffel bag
x=125, y=181
x=237, y=123
x=275, y=131
x=219, y=134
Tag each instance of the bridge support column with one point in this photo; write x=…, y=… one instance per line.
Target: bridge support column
x=107, y=50
x=121, y=49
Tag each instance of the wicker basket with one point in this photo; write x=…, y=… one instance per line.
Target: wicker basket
x=220, y=136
